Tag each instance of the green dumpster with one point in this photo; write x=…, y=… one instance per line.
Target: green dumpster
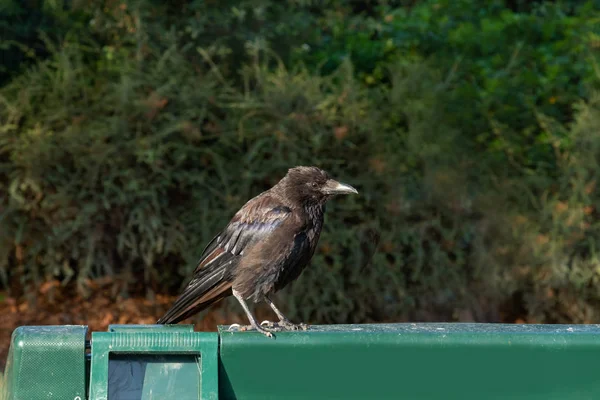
x=377, y=361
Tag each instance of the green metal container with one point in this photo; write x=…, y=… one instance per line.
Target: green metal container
x=154, y=362
x=46, y=362
x=380, y=361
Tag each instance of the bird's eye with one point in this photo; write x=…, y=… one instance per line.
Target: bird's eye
x=314, y=185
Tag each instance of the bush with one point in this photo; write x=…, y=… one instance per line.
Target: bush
x=131, y=145
x=99, y=161
x=507, y=66
x=28, y=26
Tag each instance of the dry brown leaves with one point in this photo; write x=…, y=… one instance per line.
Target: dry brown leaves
x=97, y=311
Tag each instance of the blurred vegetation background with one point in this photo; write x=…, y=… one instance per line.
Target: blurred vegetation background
x=132, y=130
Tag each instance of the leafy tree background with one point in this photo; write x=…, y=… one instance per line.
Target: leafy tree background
x=132, y=130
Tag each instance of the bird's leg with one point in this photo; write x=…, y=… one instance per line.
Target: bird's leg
x=283, y=321
x=253, y=323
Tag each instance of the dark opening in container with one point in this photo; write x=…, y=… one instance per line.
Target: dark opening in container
x=153, y=376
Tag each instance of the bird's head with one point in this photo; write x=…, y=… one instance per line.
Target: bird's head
x=312, y=185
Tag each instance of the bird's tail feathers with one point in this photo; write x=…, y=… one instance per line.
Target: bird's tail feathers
x=208, y=287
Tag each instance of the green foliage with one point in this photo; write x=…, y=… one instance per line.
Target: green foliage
x=469, y=131
x=507, y=66
x=27, y=26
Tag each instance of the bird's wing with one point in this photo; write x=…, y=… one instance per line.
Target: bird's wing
x=213, y=276
x=252, y=223
x=300, y=253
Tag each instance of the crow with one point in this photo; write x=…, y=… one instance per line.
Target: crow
x=265, y=246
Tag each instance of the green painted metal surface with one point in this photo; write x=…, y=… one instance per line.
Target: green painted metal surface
x=46, y=362
x=382, y=361
x=413, y=361
x=154, y=362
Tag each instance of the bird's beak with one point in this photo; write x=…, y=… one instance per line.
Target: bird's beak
x=335, y=187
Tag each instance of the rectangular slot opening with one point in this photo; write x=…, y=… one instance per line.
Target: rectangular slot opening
x=134, y=376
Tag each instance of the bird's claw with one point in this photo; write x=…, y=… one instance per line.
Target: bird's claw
x=290, y=326
x=265, y=331
x=268, y=332
x=240, y=328
x=268, y=324
x=273, y=326
x=284, y=325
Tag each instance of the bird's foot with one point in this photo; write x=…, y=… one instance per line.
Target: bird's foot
x=268, y=324
x=290, y=326
x=268, y=332
x=284, y=324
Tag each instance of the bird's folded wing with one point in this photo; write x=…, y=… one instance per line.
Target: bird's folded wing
x=253, y=223
x=213, y=275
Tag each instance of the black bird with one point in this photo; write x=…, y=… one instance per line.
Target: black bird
x=265, y=246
